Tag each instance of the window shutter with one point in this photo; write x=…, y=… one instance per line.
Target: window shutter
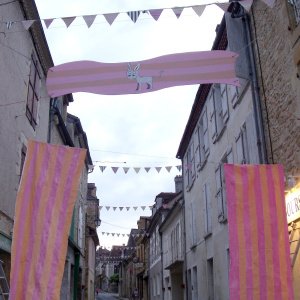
x=224, y=100
x=252, y=140
x=208, y=209
x=239, y=149
x=205, y=133
x=219, y=194
x=197, y=147
x=213, y=118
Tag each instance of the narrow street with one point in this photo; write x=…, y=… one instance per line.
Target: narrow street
x=106, y=296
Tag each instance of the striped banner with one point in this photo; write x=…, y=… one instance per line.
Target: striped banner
x=44, y=208
x=216, y=66
x=260, y=267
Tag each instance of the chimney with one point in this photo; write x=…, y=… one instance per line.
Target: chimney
x=178, y=184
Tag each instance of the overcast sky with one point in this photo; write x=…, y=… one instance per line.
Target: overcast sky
x=131, y=130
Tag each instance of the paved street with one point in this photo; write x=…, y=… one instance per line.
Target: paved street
x=106, y=296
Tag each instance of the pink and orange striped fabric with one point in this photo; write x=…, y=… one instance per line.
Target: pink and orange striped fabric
x=260, y=267
x=43, y=213
x=150, y=75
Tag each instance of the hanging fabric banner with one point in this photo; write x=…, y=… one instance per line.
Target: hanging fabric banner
x=260, y=266
x=216, y=66
x=43, y=213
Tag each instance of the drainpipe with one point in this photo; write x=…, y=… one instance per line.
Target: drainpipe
x=76, y=274
x=237, y=12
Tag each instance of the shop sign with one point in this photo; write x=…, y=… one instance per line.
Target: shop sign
x=292, y=202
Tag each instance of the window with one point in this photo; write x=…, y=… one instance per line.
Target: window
x=23, y=155
x=189, y=165
x=219, y=110
x=242, y=146
x=195, y=284
x=33, y=93
x=220, y=183
x=202, y=146
x=210, y=278
x=193, y=226
x=207, y=210
x=294, y=12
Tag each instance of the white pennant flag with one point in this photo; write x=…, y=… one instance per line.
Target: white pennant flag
x=128, y=234
x=27, y=24
x=107, y=207
x=121, y=208
x=127, y=207
x=135, y=207
x=246, y=4
x=68, y=20
x=224, y=6
x=115, y=169
x=89, y=20
x=168, y=169
x=158, y=169
x=178, y=168
x=136, y=170
x=113, y=234
x=107, y=233
x=100, y=207
x=118, y=234
x=199, y=9
x=103, y=233
x=102, y=168
x=48, y=22
x=143, y=207
x=114, y=208
x=123, y=234
x=147, y=169
x=125, y=170
x=110, y=18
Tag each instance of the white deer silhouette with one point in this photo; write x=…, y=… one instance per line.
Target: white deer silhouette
x=134, y=74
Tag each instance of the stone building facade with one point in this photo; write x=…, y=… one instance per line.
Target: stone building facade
x=278, y=70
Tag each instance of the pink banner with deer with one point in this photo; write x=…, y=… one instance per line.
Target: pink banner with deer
x=144, y=76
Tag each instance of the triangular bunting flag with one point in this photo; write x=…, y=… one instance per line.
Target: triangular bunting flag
x=224, y=6
x=100, y=207
x=158, y=169
x=123, y=234
x=151, y=206
x=68, y=20
x=102, y=168
x=48, y=22
x=177, y=11
x=121, y=208
x=143, y=207
x=125, y=170
x=128, y=234
x=113, y=234
x=27, y=24
x=103, y=233
x=199, y=10
x=135, y=207
x=114, y=208
x=107, y=233
x=155, y=13
x=89, y=20
x=133, y=15
x=178, y=168
x=168, y=169
x=115, y=169
x=147, y=169
x=118, y=234
x=110, y=18
x=136, y=170
x=127, y=207
x=246, y=4
x=107, y=207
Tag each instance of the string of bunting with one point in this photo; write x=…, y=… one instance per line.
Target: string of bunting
x=123, y=234
x=125, y=208
x=138, y=169
x=133, y=15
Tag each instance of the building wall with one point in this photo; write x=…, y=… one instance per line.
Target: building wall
x=206, y=219
x=278, y=64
